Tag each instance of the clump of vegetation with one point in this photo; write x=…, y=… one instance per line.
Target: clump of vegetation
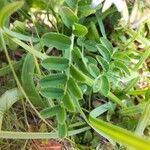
x=74, y=74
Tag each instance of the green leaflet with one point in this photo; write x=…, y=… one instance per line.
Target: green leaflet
x=68, y=16
x=62, y=130
x=105, y=85
x=53, y=80
x=68, y=103
x=107, y=44
x=91, y=60
x=51, y=92
x=7, y=10
x=61, y=115
x=119, y=134
x=28, y=83
x=104, y=52
x=121, y=66
x=79, y=30
x=94, y=70
x=90, y=45
x=50, y=112
x=103, y=63
x=57, y=40
x=55, y=63
x=74, y=88
x=79, y=76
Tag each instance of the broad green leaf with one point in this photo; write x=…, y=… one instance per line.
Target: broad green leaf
x=54, y=93
x=104, y=52
x=62, y=130
x=105, y=85
x=68, y=103
x=7, y=100
x=55, y=63
x=28, y=82
x=119, y=134
x=74, y=88
x=7, y=10
x=120, y=65
x=57, y=40
x=79, y=30
x=61, y=115
x=107, y=44
x=50, y=112
x=103, y=63
x=68, y=16
x=53, y=80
